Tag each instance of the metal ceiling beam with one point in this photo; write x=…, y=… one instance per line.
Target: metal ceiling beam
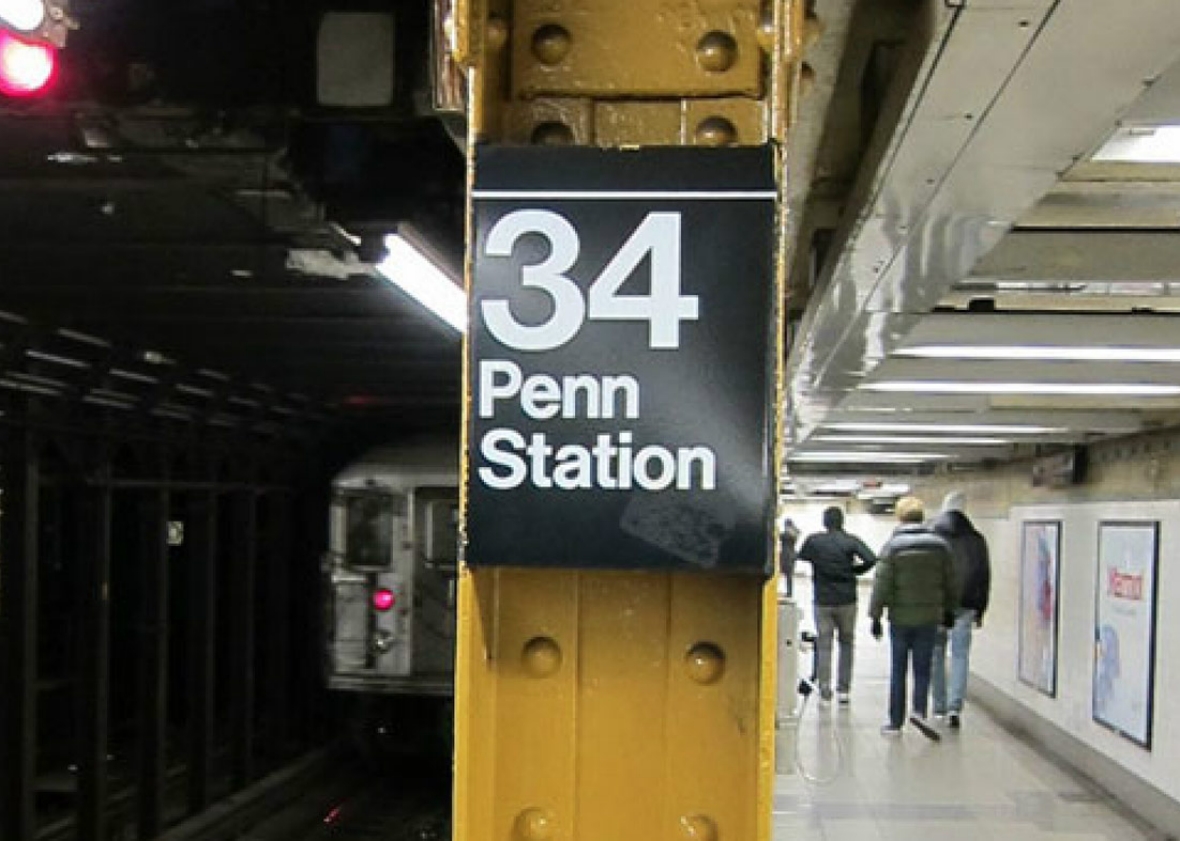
x=1101, y=422
x=974, y=151
x=1070, y=330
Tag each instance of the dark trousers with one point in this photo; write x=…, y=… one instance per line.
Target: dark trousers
x=910, y=645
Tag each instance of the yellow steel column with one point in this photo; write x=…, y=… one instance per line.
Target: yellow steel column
x=599, y=705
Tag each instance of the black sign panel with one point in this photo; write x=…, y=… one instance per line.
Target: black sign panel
x=621, y=361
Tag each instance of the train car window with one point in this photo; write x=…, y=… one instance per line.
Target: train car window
x=369, y=523
x=441, y=538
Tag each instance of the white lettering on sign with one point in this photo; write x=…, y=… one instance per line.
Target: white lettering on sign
x=543, y=397
x=610, y=463
x=663, y=308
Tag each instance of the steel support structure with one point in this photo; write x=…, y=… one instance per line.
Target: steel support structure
x=93, y=551
x=243, y=554
x=152, y=670
x=585, y=704
x=276, y=681
x=20, y=480
x=201, y=551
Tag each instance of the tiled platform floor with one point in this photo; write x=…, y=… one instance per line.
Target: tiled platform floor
x=978, y=784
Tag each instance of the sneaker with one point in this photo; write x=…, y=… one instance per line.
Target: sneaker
x=954, y=721
x=890, y=731
x=843, y=698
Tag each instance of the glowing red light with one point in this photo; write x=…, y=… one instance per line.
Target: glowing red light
x=26, y=68
x=383, y=599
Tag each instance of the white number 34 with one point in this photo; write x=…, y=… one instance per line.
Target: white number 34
x=663, y=308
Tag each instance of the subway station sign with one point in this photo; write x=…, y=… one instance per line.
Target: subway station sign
x=621, y=359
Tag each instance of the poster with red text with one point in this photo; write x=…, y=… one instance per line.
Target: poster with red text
x=1124, y=628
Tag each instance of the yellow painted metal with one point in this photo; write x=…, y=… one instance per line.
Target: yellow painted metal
x=629, y=706
x=530, y=61
x=620, y=706
x=636, y=48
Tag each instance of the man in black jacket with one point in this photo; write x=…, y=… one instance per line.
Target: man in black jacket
x=973, y=576
x=837, y=558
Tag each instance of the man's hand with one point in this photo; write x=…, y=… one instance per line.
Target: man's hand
x=876, y=630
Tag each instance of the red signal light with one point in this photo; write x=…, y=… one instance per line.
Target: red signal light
x=383, y=599
x=26, y=68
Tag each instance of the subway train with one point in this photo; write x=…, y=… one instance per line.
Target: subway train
x=390, y=581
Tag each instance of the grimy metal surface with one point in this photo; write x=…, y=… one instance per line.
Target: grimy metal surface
x=625, y=705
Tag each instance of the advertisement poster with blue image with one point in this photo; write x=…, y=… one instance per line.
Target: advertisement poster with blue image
x=1124, y=628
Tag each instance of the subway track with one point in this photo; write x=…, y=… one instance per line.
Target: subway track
x=388, y=810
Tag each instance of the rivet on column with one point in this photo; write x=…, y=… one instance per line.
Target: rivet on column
x=715, y=131
x=716, y=51
x=698, y=828
x=541, y=657
x=552, y=134
x=496, y=33
x=551, y=44
x=535, y=825
x=705, y=663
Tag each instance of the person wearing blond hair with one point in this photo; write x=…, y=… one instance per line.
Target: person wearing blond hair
x=916, y=583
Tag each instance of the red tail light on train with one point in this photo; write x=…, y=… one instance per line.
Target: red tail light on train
x=383, y=599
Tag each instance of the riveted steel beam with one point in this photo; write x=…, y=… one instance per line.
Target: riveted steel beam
x=18, y=635
x=630, y=72
x=620, y=704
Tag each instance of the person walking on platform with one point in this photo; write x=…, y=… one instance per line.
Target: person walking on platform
x=915, y=581
x=973, y=575
x=836, y=558
x=787, y=556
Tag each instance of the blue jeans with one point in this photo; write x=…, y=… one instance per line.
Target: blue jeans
x=960, y=644
x=909, y=644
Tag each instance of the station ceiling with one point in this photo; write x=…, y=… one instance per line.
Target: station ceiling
x=993, y=276
x=190, y=232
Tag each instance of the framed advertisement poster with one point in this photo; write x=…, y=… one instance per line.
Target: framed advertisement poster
x=1040, y=551
x=1124, y=628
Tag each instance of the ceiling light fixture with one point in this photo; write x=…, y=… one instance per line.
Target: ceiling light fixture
x=912, y=439
x=1053, y=353
x=867, y=457
x=963, y=428
x=1142, y=145
x=1055, y=389
x=417, y=275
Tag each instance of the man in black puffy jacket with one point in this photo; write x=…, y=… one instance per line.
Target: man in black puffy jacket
x=973, y=574
x=836, y=558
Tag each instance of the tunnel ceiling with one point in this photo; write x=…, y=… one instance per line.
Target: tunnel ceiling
x=186, y=232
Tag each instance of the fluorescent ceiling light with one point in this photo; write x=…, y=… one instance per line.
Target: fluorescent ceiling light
x=1142, y=145
x=964, y=428
x=1056, y=353
x=850, y=456
x=409, y=269
x=22, y=15
x=911, y=439
x=1092, y=389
